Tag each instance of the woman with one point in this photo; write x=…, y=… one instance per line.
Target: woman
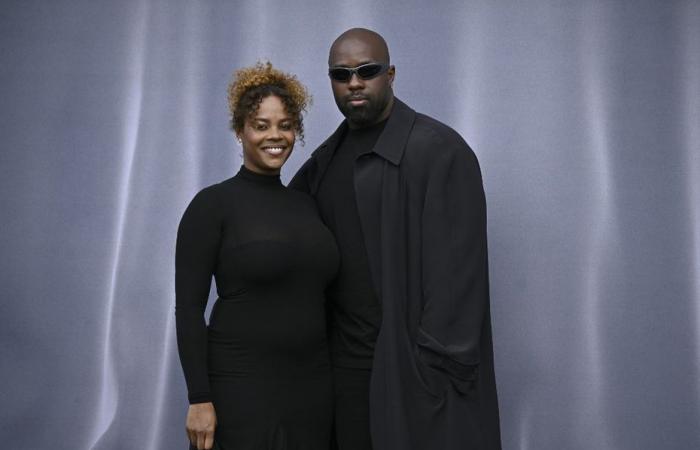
x=258, y=377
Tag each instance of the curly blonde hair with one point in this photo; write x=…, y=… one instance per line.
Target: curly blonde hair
x=250, y=85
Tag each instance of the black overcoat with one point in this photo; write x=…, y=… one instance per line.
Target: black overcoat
x=421, y=204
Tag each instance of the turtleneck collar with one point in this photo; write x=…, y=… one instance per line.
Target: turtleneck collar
x=259, y=178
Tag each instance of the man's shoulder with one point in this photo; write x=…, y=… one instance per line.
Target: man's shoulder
x=433, y=131
x=432, y=141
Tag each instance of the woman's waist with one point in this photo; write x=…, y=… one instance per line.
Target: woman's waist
x=268, y=320
x=231, y=355
x=292, y=343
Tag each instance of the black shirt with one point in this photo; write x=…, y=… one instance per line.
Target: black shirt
x=272, y=259
x=355, y=313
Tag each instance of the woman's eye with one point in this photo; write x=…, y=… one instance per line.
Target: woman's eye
x=260, y=127
x=286, y=126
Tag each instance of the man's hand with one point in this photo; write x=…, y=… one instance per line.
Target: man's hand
x=201, y=422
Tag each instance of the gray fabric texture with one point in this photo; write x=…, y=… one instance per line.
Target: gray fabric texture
x=585, y=116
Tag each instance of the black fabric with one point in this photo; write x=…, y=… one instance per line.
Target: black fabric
x=263, y=360
x=352, y=408
x=355, y=313
x=421, y=190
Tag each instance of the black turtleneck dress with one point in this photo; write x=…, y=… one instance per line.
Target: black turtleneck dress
x=263, y=359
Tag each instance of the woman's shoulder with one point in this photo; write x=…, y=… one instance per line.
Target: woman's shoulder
x=207, y=199
x=211, y=192
x=207, y=194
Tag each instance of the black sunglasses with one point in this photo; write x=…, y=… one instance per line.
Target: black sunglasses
x=365, y=71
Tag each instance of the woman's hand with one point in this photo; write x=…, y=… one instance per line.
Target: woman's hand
x=201, y=422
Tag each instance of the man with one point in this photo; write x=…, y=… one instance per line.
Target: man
x=409, y=313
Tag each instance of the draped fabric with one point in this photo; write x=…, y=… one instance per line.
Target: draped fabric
x=585, y=116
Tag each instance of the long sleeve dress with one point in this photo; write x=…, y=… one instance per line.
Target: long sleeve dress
x=263, y=359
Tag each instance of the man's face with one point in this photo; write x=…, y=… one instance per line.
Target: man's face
x=362, y=102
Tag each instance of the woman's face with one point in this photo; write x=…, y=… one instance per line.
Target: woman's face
x=267, y=137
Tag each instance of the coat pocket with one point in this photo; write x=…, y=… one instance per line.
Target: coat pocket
x=463, y=379
x=433, y=380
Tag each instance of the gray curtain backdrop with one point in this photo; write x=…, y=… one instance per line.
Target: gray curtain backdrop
x=585, y=116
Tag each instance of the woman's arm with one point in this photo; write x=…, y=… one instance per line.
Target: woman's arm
x=198, y=239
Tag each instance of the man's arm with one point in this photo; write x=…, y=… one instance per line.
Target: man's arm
x=455, y=268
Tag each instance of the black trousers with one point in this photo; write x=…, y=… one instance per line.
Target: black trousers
x=351, y=387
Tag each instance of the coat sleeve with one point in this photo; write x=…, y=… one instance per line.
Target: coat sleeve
x=198, y=238
x=455, y=272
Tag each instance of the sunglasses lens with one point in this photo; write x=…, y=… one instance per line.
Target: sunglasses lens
x=365, y=72
x=340, y=74
x=369, y=70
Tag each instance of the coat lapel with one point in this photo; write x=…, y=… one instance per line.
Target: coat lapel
x=391, y=144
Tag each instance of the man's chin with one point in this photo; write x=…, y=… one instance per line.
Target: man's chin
x=359, y=116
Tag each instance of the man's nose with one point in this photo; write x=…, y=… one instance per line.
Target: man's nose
x=355, y=82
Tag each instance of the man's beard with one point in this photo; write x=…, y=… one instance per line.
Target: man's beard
x=362, y=115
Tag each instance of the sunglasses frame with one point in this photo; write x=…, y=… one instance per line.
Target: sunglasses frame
x=354, y=71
